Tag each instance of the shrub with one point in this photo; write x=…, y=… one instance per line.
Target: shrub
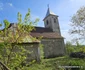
x=77, y=55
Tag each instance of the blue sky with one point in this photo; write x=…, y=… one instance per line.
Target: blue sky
x=63, y=8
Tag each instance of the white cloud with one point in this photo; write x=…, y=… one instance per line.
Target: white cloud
x=10, y=4
x=1, y=6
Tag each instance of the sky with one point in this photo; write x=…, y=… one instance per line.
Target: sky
x=65, y=9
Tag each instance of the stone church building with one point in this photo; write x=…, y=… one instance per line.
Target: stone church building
x=53, y=42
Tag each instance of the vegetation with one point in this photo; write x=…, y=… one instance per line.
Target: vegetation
x=12, y=59
x=57, y=63
x=74, y=48
x=78, y=24
x=13, y=55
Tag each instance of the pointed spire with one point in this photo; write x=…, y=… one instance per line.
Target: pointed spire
x=49, y=12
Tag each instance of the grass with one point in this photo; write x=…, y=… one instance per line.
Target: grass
x=54, y=63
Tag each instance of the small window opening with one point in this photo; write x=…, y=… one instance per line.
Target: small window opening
x=54, y=20
x=47, y=22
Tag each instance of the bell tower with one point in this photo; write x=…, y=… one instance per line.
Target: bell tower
x=51, y=21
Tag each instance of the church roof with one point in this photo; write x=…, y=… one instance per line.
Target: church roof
x=49, y=35
x=44, y=32
x=42, y=29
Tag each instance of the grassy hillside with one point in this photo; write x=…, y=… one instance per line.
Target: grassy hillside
x=54, y=63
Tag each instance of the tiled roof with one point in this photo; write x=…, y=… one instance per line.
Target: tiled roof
x=42, y=29
x=45, y=35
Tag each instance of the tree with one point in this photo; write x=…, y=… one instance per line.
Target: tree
x=9, y=39
x=78, y=24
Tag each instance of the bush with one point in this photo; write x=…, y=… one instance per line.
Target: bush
x=77, y=55
x=77, y=63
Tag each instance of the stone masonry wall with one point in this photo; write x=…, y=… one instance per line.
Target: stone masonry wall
x=34, y=51
x=53, y=47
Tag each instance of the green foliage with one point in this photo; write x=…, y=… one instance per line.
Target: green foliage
x=78, y=24
x=12, y=54
x=41, y=51
x=0, y=24
x=69, y=48
x=75, y=62
x=6, y=23
x=57, y=63
x=82, y=49
x=27, y=24
x=74, y=48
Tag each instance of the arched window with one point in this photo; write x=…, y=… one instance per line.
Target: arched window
x=54, y=20
x=47, y=22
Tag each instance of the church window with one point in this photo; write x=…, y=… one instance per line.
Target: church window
x=47, y=22
x=54, y=20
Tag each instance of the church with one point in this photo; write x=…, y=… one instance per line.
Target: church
x=53, y=42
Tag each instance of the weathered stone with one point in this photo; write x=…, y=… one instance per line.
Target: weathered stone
x=33, y=51
x=53, y=47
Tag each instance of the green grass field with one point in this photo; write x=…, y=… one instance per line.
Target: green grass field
x=54, y=63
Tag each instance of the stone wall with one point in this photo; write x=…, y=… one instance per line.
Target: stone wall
x=51, y=24
x=33, y=49
x=53, y=47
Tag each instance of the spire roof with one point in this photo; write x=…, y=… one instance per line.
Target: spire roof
x=49, y=12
